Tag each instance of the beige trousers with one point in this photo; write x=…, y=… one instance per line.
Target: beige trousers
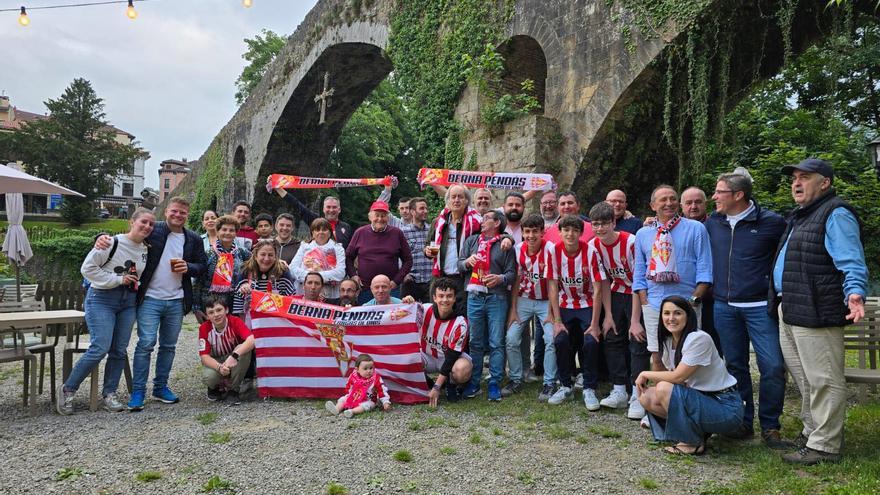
x=212, y=378
x=815, y=359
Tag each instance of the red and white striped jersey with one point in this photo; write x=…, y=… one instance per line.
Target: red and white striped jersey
x=438, y=334
x=533, y=270
x=575, y=274
x=618, y=260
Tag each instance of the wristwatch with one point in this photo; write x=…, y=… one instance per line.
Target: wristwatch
x=696, y=301
x=235, y=355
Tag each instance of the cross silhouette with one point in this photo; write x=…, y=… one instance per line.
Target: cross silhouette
x=324, y=97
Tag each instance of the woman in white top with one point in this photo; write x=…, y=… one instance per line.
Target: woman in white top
x=322, y=255
x=696, y=397
x=111, y=309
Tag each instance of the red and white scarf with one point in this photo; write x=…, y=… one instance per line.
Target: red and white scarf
x=280, y=181
x=661, y=268
x=470, y=225
x=221, y=281
x=484, y=262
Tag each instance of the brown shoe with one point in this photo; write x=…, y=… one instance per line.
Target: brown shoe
x=773, y=439
x=809, y=457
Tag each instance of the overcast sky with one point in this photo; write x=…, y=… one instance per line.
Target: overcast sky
x=167, y=77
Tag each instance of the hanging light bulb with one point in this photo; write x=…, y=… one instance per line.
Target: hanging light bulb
x=247, y=3
x=23, y=19
x=130, y=12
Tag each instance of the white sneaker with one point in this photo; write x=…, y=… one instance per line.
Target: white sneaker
x=645, y=423
x=615, y=400
x=560, y=396
x=590, y=399
x=348, y=413
x=635, y=411
x=112, y=404
x=330, y=406
x=579, y=382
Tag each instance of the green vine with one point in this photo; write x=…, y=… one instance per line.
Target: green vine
x=429, y=45
x=210, y=184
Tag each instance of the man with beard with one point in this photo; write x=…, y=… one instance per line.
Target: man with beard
x=348, y=293
x=549, y=211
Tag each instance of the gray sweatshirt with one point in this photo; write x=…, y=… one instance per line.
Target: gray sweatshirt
x=107, y=274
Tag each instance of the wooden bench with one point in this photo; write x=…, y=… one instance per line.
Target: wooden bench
x=864, y=338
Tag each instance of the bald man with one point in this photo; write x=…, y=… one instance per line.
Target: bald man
x=693, y=204
x=623, y=220
x=380, y=286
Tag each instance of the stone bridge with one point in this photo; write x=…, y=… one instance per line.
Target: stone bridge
x=588, y=60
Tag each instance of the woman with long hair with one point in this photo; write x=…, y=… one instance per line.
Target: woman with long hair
x=263, y=272
x=696, y=397
x=322, y=255
x=226, y=259
x=111, y=309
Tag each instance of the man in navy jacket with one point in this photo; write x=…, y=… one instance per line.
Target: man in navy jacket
x=744, y=237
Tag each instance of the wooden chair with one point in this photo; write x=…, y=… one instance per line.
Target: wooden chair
x=20, y=351
x=28, y=293
x=864, y=338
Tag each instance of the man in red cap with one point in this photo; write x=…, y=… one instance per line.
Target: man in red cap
x=378, y=249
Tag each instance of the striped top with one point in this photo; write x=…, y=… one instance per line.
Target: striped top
x=439, y=335
x=222, y=343
x=618, y=260
x=283, y=286
x=533, y=270
x=575, y=275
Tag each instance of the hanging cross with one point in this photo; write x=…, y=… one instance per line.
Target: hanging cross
x=324, y=97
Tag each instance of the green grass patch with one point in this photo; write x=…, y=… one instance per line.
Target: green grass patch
x=435, y=422
x=648, y=484
x=525, y=478
x=448, y=450
x=403, y=456
x=71, y=474
x=557, y=432
x=217, y=484
x=497, y=431
x=218, y=437
x=475, y=438
x=410, y=486
x=148, y=476
x=604, y=431
x=416, y=426
x=206, y=418
x=581, y=439
x=335, y=489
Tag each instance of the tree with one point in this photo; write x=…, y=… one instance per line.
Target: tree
x=260, y=52
x=75, y=147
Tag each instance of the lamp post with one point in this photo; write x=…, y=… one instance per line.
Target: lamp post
x=874, y=150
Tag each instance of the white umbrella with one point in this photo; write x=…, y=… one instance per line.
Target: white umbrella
x=16, y=181
x=13, y=183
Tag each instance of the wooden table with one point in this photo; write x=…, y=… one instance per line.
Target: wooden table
x=15, y=322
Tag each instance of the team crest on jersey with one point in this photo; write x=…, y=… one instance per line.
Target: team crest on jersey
x=333, y=336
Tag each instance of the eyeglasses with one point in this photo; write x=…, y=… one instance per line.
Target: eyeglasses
x=601, y=224
x=547, y=203
x=723, y=191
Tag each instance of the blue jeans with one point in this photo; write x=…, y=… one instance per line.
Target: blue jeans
x=162, y=318
x=110, y=313
x=526, y=310
x=736, y=327
x=487, y=315
x=693, y=414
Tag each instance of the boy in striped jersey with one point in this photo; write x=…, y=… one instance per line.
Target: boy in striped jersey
x=575, y=284
x=225, y=346
x=621, y=327
x=444, y=336
x=530, y=299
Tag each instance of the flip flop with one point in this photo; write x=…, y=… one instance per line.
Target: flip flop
x=676, y=450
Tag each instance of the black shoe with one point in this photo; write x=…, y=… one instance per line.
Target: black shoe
x=809, y=457
x=232, y=398
x=773, y=439
x=453, y=393
x=214, y=394
x=744, y=432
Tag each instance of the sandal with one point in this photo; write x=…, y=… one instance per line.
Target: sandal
x=677, y=450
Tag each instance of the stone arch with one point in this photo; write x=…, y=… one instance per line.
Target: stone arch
x=237, y=176
x=524, y=59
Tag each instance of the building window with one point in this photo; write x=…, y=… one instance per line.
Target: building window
x=128, y=169
x=127, y=189
x=167, y=184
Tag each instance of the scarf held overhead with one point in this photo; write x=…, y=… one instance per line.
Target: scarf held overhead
x=489, y=180
x=661, y=268
x=280, y=181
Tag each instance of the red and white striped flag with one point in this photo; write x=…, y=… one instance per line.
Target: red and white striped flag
x=306, y=349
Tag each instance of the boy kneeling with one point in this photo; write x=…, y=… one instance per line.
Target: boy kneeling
x=225, y=346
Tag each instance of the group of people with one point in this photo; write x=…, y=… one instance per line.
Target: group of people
x=665, y=309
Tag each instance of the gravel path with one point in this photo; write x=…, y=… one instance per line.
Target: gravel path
x=517, y=446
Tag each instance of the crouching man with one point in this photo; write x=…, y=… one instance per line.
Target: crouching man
x=443, y=340
x=225, y=346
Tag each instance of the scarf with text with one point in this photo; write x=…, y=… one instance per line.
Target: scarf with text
x=280, y=181
x=470, y=225
x=661, y=268
x=221, y=281
x=481, y=267
x=489, y=180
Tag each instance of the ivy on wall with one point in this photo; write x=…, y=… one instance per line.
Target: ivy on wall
x=210, y=184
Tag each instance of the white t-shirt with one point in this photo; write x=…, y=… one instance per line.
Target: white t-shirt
x=699, y=350
x=165, y=284
x=450, y=262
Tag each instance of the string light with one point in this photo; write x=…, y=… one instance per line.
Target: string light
x=247, y=3
x=23, y=19
x=130, y=12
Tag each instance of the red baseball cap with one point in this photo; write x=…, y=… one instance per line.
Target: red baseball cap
x=379, y=206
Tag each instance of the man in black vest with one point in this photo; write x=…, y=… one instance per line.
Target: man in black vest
x=819, y=285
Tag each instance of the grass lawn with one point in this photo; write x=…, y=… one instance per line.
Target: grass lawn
x=111, y=224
